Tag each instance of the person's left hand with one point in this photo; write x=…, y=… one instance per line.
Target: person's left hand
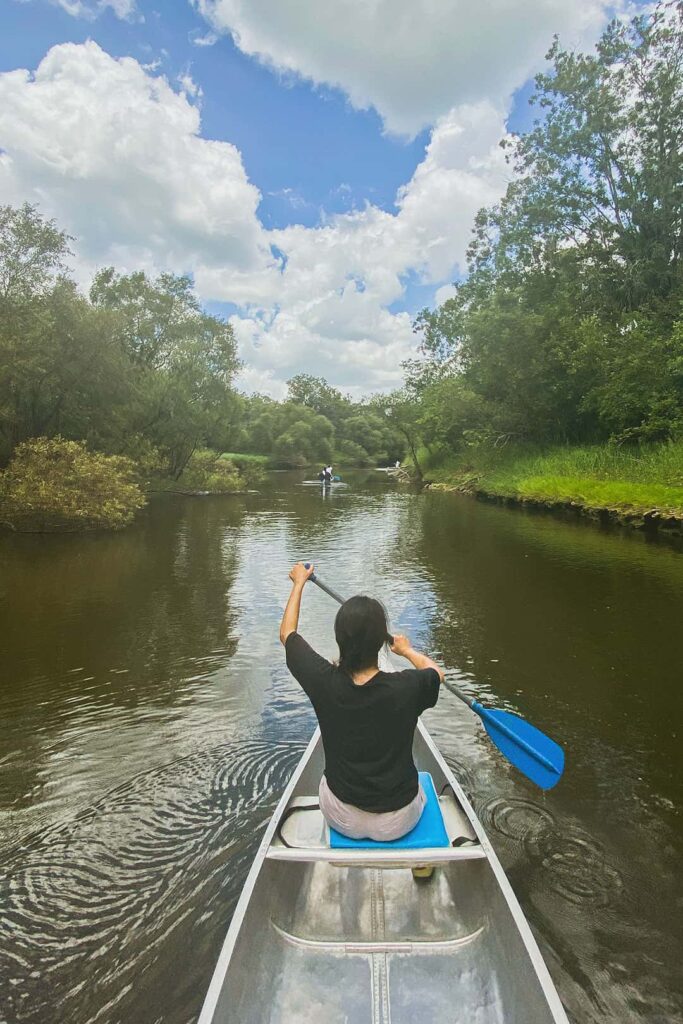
x=299, y=573
x=401, y=645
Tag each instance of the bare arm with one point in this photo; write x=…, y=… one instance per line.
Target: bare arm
x=290, y=619
x=403, y=647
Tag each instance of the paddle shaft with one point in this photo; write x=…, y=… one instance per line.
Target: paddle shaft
x=323, y=586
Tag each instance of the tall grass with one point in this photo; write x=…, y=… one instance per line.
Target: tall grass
x=659, y=464
x=595, y=476
x=244, y=458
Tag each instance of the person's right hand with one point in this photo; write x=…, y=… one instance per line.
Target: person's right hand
x=299, y=573
x=401, y=645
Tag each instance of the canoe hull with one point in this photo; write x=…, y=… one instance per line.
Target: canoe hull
x=318, y=940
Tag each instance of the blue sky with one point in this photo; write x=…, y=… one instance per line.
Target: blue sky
x=304, y=146
x=329, y=121
x=292, y=136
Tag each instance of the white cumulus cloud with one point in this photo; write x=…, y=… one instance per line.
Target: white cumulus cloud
x=124, y=9
x=412, y=60
x=115, y=154
x=328, y=306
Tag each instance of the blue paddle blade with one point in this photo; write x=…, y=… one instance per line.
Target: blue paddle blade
x=536, y=755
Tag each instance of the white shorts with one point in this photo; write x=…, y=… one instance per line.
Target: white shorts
x=357, y=824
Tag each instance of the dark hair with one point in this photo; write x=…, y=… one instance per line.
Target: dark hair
x=361, y=629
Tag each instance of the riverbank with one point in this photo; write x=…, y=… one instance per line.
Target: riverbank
x=637, y=487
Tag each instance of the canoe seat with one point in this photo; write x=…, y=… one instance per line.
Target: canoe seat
x=443, y=834
x=429, y=833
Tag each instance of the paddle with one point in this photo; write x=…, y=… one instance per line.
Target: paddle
x=525, y=746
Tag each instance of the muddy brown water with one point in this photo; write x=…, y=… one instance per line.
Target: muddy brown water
x=149, y=725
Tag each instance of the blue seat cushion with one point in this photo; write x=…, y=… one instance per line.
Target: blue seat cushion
x=429, y=832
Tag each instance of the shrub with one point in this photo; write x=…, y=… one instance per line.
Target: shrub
x=252, y=468
x=53, y=485
x=207, y=471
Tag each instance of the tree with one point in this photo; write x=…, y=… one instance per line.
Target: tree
x=185, y=361
x=602, y=169
x=451, y=415
x=32, y=253
x=302, y=437
x=314, y=392
x=402, y=411
x=62, y=370
x=575, y=278
x=631, y=397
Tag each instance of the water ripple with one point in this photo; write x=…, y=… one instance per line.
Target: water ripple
x=90, y=905
x=515, y=818
x=574, y=863
x=576, y=866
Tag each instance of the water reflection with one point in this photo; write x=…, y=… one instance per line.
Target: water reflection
x=561, y=636
x=149, y=723
x=96, y=627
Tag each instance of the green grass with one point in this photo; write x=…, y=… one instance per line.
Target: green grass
x=630, y=481
x=616, y=495
x=244, y=458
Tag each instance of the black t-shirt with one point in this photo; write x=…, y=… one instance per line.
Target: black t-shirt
x=367, y=730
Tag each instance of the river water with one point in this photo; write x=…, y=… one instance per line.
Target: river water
x=149, y=725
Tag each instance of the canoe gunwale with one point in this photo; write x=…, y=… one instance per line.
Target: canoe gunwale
x=218, y=977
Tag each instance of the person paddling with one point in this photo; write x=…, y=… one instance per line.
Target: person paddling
x=367, y=717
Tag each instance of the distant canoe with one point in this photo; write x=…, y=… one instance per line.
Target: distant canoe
x=323, y=483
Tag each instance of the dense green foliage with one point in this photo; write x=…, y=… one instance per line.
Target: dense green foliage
x=58, y=485
x=208, y=471
x=569, y=326
x=136, y=368
x=317, y=424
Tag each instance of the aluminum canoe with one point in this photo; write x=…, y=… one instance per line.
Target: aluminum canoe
x=351, y=937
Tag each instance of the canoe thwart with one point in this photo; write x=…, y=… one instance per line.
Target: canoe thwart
x=425, y=947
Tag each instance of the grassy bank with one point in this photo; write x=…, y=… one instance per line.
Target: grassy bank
x=634, y=485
